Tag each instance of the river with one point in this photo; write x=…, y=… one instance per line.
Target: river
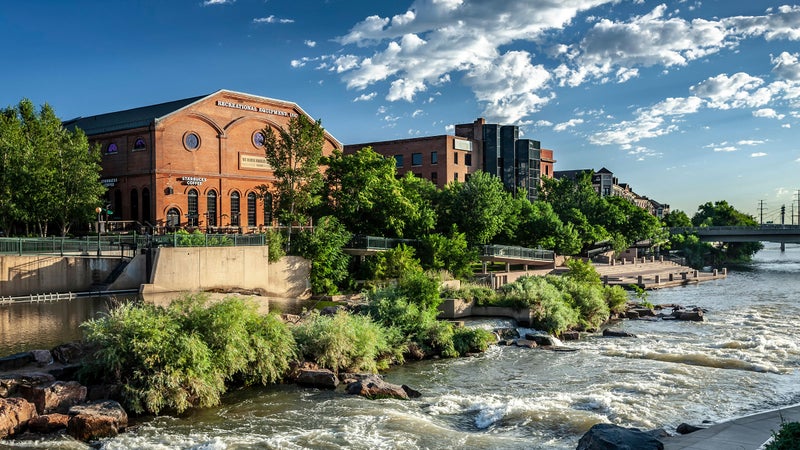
x=743, y=359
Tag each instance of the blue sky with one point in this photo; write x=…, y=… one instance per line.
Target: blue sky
x=686, y=101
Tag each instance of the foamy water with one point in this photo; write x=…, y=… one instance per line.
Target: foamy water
x=743, y=359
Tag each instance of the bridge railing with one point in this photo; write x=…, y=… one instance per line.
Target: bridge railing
x=362, y=242
x=762, y=227
x=505, y=251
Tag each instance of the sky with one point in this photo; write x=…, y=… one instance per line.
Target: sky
x=686, y=101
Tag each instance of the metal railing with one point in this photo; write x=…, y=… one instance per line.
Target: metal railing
x=505, y=251
x=376, y=242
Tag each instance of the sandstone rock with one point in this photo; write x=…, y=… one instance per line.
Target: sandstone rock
x=374, y=387
x=321, y=378
x=695, y=315
x=48, y=423
x=643, y=312
x=14, y=415
x=610, y=332
x=605, y=436
x=96, y=420
x=570, y=336
x=55, y=397
x=42, y=357
x=68, y=353
x=631, y=315
x=543, y=340
x=685, y=428
x=15, y=361
x=9, y=384
x=525, y=343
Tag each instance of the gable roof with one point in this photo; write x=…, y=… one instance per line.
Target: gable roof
x=129, y=118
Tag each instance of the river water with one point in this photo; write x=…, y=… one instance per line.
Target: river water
x=743, y=359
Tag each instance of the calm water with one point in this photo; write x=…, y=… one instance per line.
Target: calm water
x=744, y=358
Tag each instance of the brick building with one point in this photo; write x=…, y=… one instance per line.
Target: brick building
x=194, y=162
x=496, y=149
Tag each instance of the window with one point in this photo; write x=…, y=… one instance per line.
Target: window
x=398, y=160
x=268, y=209
x=455, y=158
x=173, y=218
x=211, y=207
x=145, y=205
x=416, y=159
x=468, y=159
x=191, y=141
x=434, y=157
x=466, y=177
x=117, y=207
x=258, y=139
x=455, y=176
x=191, y=216
x=235, y=209
x=134, y=204
x=139, y=145
x=251, y=209
x=111, y=149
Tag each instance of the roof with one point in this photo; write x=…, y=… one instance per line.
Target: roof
x=129, y=118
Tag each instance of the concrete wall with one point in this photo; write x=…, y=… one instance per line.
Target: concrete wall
x=458, y=308
x=203, y=268
x=23, y=275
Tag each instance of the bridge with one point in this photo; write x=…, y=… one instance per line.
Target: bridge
x=759, y=233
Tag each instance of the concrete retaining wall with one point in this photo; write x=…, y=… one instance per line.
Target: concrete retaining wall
x=458, y=308
x=24, y=275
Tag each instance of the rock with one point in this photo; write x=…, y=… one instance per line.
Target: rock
x=42, y=357
x=329, y=311
x=415, y=352
x=506, y=333
x=65, y=373
x=685, y=428
x=643, y=312
x=14, y=415
x=15, y=361
x=695, y=315
x=9, y=384
x=543, y=340
x=48, y=423
x=68, y=353
x=570, y=336
x=412, y=393
x=54, y=397
x=525, y=343
x=631, y=314
x=320, y=378
x=96, y=420
x=605, y=436
x=374, y=387
x=612, y=332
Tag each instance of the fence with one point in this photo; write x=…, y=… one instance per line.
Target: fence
x=122, y=244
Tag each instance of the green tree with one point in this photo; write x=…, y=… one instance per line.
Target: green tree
x=480, y=207
x=723, y=214
x=451, y=253
x=677, y=218
x=294, y=154
x=324, y=247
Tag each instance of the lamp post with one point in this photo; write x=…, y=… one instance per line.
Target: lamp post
x=99, y=211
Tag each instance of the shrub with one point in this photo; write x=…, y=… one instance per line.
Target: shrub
x=181, y=356
x=323, y=246
x=395, y=263
x=482, y=295
x=346, y=342
x=471, y=340
x=616, y=298
x=450, y=253
x=275, y=242
x=787, y=438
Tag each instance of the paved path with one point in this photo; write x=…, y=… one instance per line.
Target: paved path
x=743, y=433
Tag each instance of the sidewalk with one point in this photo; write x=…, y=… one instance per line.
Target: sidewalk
x=743, y=433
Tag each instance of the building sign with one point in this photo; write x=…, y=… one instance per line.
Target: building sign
x=255, y=109
x=460, y=144
x=253, y=162
x=108, y=182
x=193, y=181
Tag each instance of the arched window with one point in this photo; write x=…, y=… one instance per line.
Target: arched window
x=173, y=218
x=211, y=207
x=251, y=209
x=268, y=209
x=146, y=217
x=192, y=207
x=235, y=209
x=139, y=145
x=134, y=204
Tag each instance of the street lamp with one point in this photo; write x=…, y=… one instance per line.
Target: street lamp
x=99, y=211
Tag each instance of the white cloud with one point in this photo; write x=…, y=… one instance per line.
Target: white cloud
x=310, y=43
x=543, y=123
x=641, y=153
x=365, y=97
x=271, y=19
x=417, y=113
x=769, y=113
x=758, y=155
x=751, y=142
x=786, y=125
x=450, y=128
x=724, y=92
x=217, y=2
x=727, y=148
x=568, y=124
x=391, y=118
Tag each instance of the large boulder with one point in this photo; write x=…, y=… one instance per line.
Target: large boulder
x=543, y=340
x=58, y=396
x=525, y=343
x=320, y=378
x=10, y=383
x=15, y=361
x=374, y=387
x=42, y=357
x=48, y=423
x=14, y=415
x=613, y=332
x=96, y=420
x=69, y=353
x=605, y=436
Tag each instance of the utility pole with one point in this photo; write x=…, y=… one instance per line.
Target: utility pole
x=783, y=214
x=761, y=212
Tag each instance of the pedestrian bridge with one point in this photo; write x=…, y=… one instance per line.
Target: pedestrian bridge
x=758, y=233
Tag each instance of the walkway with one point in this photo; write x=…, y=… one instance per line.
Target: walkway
x=743, y=433
x=653, y=274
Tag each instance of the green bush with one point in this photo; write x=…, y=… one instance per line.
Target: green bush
x=275, y=242
x=347, y=342
x=787, y=438
x=394, y=263
x=616, y=298
x=324, y=247
x=472, y=340
x=482, y=295
x=181, y=356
